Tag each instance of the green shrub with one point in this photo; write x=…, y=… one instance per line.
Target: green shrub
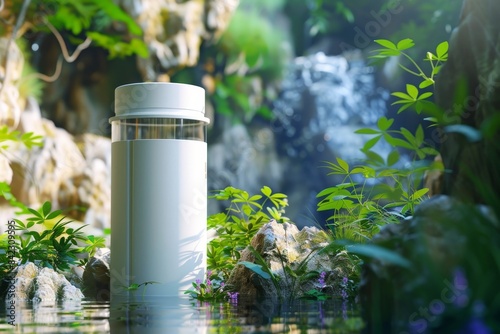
x=242, y=219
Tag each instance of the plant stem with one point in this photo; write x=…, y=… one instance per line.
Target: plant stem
x=422, y=74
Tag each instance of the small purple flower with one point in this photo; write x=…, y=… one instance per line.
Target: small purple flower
x=209, y=282
x=209, y=273
x=476, y=326
x=460, y=285
x=233, y=296
x=344, y=293
x=222, y=285
x=321, y=280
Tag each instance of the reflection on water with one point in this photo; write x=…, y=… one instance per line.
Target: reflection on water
x=172, y=315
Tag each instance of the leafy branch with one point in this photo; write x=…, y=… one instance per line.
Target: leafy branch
x=413, y=97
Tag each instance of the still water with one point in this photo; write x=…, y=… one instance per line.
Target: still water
x=182, y=316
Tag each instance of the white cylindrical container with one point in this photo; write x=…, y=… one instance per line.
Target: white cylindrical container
x=158, y=189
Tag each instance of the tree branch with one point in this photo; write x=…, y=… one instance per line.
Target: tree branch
x=49, y=78
x=69, y=58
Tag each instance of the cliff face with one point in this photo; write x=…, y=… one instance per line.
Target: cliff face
x=468, y=90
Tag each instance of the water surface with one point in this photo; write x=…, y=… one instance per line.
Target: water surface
x=178, y=315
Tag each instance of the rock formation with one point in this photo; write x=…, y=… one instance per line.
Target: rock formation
x=283, y=245
x=96, y=277
x=174, y=31
x=43, y=284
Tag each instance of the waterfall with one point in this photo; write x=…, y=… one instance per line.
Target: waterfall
x=324, y=100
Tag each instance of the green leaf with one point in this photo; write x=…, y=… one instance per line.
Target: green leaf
x=384, y=53
x=343, y=164
x=46, y=208
x=327, y=191
x=425, y=95
x=471, y=134
x=412, y=91
x=419, y=135
x=35, y=213
x=392, y=158
x=375, y=157
x=408, y=136
x=384, y=123
x=397, y=142
x=53, y=214
x=426, y=83
x=403, y=96
x=387, y=44
x=419, y=193
x=370, y=143
x=404, y=107
x=266, y=191
x=378, y=253
x=116, y=13
x=442, y=50
x=405, y=44
x=256, y=269
x=367, y=131
x=436, y=70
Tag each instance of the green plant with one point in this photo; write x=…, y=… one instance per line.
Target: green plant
x=235, y=227
x=317, y=293
x=93, y=19
x=325, y=15
x=54, y=247
x=213, y=289
x=135, y=286
x=48, y=240
x=293, y=274
x=93, y=243
x=359, y=209
x=28, y=139
x=413, y=97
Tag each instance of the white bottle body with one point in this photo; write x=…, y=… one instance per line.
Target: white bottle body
x=158, y=215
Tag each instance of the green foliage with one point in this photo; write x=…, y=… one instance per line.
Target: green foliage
x=93, y=244
x=325, y=15
x=261, y=268
x=94, y=18
x=359, y=210
x=251, y=57
x=252, y=40
x=232, y=98
x=413, y=97
x=54, y=247
x=213, y=289
x=315, y=294
x=235, y=227
x=48, y=240
x=135, y=286
x=28, y=139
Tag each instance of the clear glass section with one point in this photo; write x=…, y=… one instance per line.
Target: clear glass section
x=158, y=128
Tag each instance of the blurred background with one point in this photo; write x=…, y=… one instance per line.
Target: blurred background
x=287, y=83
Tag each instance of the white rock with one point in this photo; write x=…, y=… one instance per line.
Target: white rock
x=48, y=285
